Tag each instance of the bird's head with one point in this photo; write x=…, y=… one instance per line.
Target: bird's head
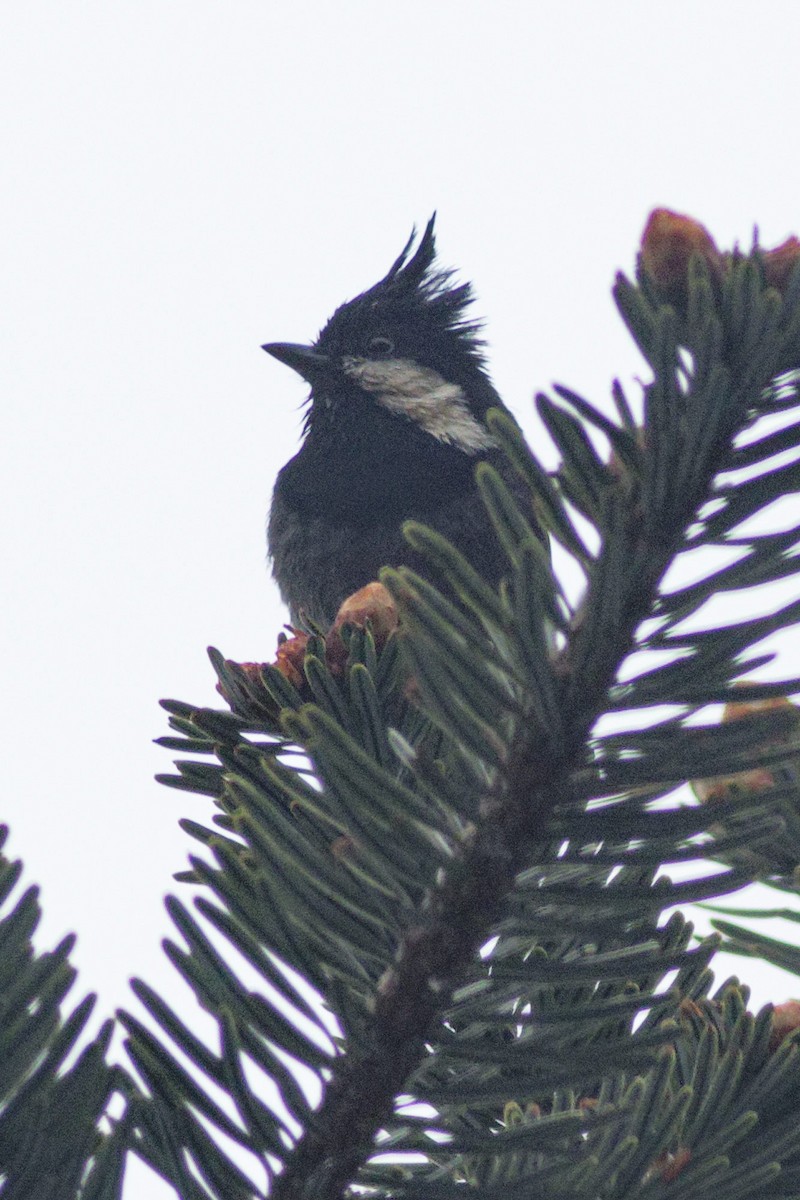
x=403, y=350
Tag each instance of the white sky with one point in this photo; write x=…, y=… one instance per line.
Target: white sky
x=187, y=180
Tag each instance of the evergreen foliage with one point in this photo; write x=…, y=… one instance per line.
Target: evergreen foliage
x=431, y=922
x=50, y=1143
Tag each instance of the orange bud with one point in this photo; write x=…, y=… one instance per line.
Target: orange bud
x=290, y=656
x=785, y=1019
x=668, y=243
x=372, y=603
x=780, y=262
x=727, y=787
x=669, y=1166
x=737, y=709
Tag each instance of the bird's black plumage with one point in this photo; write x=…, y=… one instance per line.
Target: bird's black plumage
x=394, y=429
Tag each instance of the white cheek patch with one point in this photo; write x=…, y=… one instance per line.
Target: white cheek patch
x=419, y=393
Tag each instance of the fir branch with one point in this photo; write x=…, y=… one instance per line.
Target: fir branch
x=445, y=800
x=52, y=1145
x=623, y=588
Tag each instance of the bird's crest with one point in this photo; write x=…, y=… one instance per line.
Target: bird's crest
x=412, y=291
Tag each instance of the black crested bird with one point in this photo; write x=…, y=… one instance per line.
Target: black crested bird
x=395, y=427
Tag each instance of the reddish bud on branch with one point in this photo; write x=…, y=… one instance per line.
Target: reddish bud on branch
x=668, y=243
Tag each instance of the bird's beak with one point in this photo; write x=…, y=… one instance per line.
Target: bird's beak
x=307, y=361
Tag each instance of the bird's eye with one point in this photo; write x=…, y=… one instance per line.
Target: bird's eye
x=380, y=347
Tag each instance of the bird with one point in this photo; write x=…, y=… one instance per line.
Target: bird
x=395, y=425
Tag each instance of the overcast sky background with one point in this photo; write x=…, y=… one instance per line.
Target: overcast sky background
x=186, y=180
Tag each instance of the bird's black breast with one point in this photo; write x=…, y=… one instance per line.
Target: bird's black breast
x=319, y=561
x=373, y=468
x=335, y=522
